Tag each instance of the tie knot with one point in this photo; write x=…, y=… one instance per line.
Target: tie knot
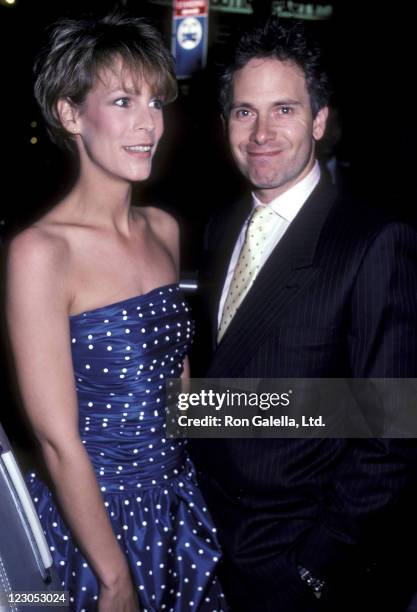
x=259, y=215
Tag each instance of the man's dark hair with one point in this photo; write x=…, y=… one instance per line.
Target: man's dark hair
x=287, y=43
x=76, y=52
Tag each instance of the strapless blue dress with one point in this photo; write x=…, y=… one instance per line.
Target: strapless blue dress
x=122, y=353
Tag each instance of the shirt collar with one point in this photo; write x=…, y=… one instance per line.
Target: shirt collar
x=288, y=204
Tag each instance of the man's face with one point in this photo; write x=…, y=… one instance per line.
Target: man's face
x=271, y=127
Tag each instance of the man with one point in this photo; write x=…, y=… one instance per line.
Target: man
x=327, y=289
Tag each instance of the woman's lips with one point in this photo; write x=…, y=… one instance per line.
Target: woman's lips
x=141, y=150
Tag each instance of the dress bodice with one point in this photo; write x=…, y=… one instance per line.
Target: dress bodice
x=122, y=353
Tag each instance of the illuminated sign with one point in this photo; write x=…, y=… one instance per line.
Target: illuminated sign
x=232, y=6
x=184, y=8
x=189, y=36
x=301, y=10
x=282, y=8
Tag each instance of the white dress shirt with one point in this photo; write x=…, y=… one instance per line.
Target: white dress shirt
x=285, y=206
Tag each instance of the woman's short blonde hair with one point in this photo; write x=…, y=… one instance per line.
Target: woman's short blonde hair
x=78, y=50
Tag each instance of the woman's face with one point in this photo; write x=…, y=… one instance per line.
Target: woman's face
x=119, y=125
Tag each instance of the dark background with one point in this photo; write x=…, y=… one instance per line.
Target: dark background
x=369, y=51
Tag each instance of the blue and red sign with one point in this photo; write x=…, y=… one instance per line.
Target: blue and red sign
x=189, y=36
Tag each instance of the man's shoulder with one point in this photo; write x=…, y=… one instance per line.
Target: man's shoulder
x=361, y=218
x=355, y=225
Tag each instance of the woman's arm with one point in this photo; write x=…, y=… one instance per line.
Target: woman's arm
x=37, y=314
x=168, y=232
x=185, y=376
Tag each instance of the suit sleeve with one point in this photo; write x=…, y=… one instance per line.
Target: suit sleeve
x=382, y=344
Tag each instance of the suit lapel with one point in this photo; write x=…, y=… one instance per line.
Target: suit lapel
x=288, y=270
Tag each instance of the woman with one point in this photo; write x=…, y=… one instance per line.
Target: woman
x=97, y=322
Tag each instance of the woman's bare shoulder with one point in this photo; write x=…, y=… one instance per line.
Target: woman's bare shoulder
x=160, y=220
x=37, y=253
x=39, y=242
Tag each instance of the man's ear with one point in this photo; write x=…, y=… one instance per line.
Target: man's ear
x=319, y=123
x=69, y=115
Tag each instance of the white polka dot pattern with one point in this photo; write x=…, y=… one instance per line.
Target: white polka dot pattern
x=248, y=264
x=122, y=354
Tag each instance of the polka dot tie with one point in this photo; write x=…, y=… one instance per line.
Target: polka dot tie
x=248, y=264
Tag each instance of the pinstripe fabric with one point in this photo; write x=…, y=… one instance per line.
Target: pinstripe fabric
x=337, y=298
